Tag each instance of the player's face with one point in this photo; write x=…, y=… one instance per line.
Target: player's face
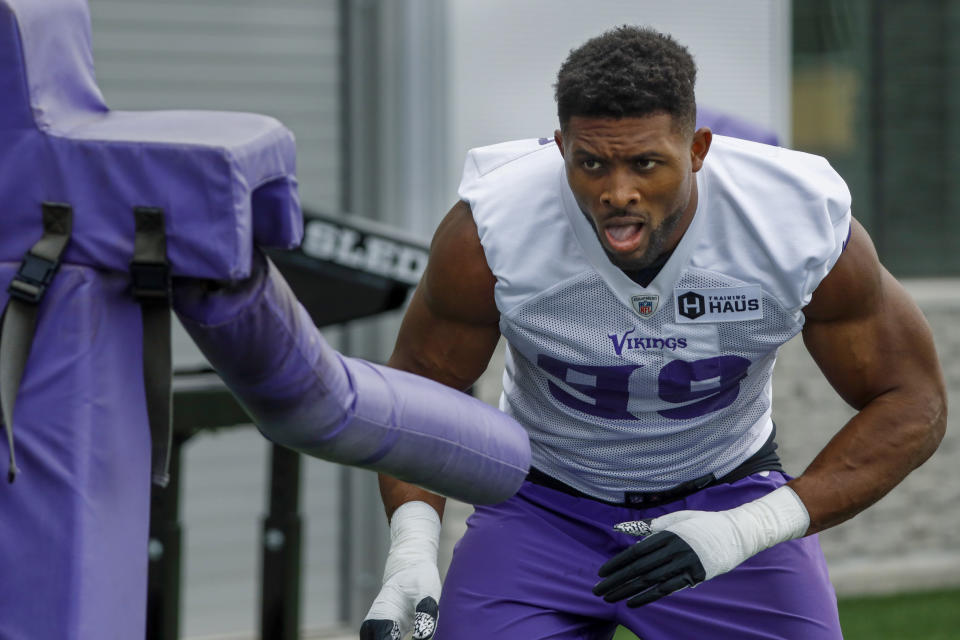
x=633, y=179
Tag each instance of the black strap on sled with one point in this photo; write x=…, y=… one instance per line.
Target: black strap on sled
x=19, y=322
x=151, y=287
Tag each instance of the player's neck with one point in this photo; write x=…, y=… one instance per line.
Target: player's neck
x=689, y=211
x=645, y=276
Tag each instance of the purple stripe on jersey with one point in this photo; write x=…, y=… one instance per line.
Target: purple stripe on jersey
x=849, y=233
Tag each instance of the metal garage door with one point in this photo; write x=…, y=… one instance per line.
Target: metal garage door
x=277, y=57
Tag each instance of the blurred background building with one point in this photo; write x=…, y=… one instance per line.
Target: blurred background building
x=386, y=96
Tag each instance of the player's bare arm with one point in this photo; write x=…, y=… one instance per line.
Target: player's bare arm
x=451, y=327
x=875, y=347
x=448, y=334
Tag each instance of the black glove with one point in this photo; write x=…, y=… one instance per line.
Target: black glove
x=684, y=548
x=652, y=568
x=424, y=624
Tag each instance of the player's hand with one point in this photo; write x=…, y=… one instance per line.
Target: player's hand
x=661, y=563
x=684, y=548
x=411, y=581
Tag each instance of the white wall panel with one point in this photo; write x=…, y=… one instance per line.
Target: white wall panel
x=504, y=58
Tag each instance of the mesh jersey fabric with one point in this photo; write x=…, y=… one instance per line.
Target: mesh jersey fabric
x=616, y=400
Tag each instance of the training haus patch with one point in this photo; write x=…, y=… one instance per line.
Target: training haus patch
x=719, y=304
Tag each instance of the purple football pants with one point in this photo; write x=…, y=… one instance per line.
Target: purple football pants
x=525, y=568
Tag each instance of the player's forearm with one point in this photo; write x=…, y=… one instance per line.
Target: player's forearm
x=890, y=437
x=396, y=492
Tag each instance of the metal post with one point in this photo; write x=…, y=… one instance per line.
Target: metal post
x=280, y=554
x=166, y=535
x=199, y=401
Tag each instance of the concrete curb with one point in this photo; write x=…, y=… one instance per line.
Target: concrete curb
x=918, y=571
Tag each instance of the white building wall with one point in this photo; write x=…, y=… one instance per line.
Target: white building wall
x=504, y=56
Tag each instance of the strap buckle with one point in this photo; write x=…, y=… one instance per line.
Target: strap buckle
x=151, y=282
x=32, y=279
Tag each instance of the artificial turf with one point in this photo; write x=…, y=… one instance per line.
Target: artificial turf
x=933, y=615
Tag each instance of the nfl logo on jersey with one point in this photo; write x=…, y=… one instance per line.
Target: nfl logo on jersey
x=645, y=306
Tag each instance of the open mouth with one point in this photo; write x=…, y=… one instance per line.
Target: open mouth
x=625, y=238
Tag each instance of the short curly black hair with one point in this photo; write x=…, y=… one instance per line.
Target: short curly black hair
x=628, y=72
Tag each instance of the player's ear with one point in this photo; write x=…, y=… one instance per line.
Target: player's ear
x=699, y=147
x=558, y=138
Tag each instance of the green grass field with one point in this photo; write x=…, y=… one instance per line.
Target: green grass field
x=916, y=616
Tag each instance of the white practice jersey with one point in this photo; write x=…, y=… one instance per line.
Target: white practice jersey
x=626, y=388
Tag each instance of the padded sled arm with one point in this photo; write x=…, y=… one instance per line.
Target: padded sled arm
x=303, y=394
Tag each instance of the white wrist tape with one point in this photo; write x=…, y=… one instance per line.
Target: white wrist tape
x=724, y=539
x=414, y=537
x=776, y=517
x=410, y=573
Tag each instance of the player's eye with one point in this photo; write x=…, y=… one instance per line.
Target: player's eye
x=591, y=164
x=646, y=165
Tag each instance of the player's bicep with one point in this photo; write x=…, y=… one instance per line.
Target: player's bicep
x=864, y=331
x=451, y=327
